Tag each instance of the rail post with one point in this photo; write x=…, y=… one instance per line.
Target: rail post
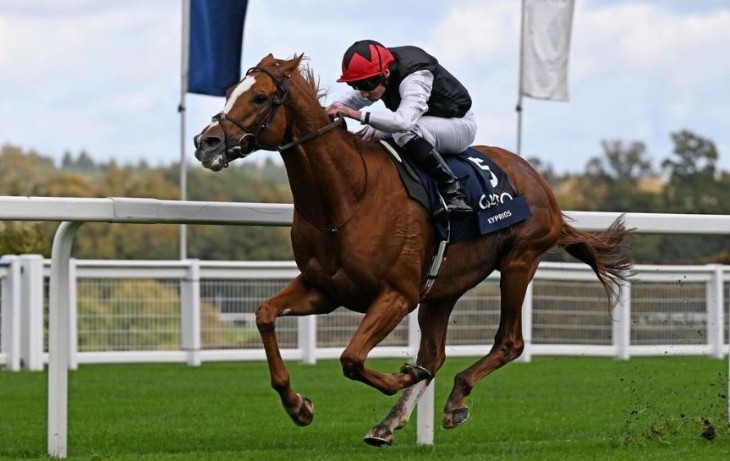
x=622, y=322
x=31, y=312
x=58, y=339
x=715, y=308
x=307, y=339
x=190, y=312
x=11, y=300
x=526, y=355
x=73, y=317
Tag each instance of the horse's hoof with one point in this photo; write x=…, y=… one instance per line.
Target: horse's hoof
x=379, y=436
x=456, y=417
x=303, y=415
x=417, y=372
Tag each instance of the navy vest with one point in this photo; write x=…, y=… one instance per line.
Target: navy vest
x=448, y=98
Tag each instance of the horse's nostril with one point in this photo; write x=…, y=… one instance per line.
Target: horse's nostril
x=209, y=142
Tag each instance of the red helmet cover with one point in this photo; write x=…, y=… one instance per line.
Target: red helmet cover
x=365, y=59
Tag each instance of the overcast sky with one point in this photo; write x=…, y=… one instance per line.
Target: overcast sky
x=104, y=76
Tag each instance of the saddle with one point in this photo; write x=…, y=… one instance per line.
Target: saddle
x=486, y=187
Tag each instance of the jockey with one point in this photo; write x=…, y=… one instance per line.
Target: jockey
x=427, y=108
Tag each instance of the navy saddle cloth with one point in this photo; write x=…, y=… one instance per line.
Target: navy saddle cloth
x=487, y=189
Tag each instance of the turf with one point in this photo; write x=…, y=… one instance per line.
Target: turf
x=550, y=409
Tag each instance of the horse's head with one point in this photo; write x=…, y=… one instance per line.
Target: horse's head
x=252, y=118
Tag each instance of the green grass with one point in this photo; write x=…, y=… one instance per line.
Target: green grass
x=550, y=409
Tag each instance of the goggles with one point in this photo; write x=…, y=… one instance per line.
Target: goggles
x=368, y=84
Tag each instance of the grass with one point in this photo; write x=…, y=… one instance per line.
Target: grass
x=550, y=409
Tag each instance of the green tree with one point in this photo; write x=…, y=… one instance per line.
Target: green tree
x=693, y=181
x=694, y=186
x=82, y=162
x=621, y=162
x=614, y=181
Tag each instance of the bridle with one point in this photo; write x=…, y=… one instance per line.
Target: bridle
x=282, y=91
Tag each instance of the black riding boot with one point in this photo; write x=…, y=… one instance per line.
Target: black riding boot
x=429, y=160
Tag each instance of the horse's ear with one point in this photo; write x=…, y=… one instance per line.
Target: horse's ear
x=267, y=61
x=288, y=67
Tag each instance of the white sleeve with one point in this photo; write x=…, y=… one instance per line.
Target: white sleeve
x=353, y=100
x=415, y=90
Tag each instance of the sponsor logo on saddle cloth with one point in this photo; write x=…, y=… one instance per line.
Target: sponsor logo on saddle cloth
x=487, y=189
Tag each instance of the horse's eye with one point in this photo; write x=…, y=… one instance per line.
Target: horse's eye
x=260, y=98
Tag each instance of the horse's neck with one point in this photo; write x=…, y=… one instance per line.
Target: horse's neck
x=327, y=174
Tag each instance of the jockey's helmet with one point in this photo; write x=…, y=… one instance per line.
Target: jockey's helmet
x=365, y=59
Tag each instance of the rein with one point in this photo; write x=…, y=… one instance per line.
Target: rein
x=282, y=91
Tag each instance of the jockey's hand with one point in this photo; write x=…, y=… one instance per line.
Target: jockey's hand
x=338, y=109
x=368, y=133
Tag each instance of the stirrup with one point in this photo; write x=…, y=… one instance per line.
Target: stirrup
x=459, y=206
x=456, y=206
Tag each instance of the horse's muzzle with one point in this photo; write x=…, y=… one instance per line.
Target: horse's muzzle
x=211, y=151
x=215, y=162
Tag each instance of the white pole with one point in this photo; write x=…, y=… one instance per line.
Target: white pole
x=10, y=330
x=31, y=315
x=307, y=339
x=190, y=322
x=425, y=407
x=425, y=415
x=622, y=322
x=58, y=338
x=518, y=151
x=715, y=311
x=73, y=317
x=527, y=325
x=184, y=58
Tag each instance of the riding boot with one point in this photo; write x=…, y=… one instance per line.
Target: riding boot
x=430, y=161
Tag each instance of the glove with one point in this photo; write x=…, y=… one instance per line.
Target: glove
x=368, y=133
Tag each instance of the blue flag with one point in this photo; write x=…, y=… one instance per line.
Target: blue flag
x=216, y=38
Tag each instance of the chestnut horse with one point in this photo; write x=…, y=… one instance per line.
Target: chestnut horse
x=360, y=242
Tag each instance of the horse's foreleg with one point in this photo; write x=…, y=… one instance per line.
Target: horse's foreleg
x=383, y=315
x=508, y=342
x=433, y=321
x=295, y=299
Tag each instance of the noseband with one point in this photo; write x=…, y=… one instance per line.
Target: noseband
x=234, y=152
x=282, y=91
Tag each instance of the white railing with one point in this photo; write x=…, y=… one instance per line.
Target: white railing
x=74, y=212
x=667, y=310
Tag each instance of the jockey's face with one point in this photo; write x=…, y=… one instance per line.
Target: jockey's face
x=375, y=93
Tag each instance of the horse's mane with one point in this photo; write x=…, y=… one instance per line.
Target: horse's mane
x=310, y=82
x=308, y=78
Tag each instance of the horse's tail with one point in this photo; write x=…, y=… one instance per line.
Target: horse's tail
x=607, y=253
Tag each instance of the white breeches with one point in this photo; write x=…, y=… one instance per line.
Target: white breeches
x=446, y=135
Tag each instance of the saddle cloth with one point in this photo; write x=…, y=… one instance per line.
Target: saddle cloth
x=486, y=186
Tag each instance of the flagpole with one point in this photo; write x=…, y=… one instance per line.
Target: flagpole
x=181, y=109
x=518, y=108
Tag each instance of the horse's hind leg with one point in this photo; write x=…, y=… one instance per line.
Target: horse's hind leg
x=433, y=321
x=508, y=342
x=398, y=416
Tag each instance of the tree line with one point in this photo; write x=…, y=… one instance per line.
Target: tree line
x=623, y=177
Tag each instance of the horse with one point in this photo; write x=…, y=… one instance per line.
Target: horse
x=361, y=242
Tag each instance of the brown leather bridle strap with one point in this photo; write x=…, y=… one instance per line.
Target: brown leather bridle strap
x=282, y=91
